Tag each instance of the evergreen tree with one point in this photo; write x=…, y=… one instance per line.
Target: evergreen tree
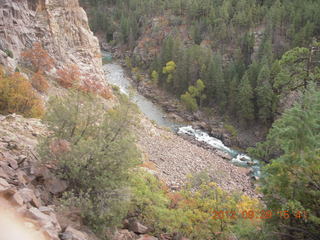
x=291, y=181
x=245, y=96
x=265, y=96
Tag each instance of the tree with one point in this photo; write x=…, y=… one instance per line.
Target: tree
x=246, y=107
x=291, y=181
x=194, y=96
x=169, y=69
x=154, y=77
x=265, y=95
x=93, y=149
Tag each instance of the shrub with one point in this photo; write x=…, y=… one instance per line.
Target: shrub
x=90, y=85
x=40, y=82
x=9, y=53
x=190, y=211
x=38, y=58
x=93, y=150
x=231, y=129
x=17, y=96
x=68, y=76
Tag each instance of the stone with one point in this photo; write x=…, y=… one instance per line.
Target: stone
x=147, y=237
x=49, y=223
x=55, y=185
x=4, y=185
x=124, y=234
x=72, y=234
x=61, y=26
x=137, y=227
x=13, y=164
x=3, y=174
x=29, y=196
x=17, y=199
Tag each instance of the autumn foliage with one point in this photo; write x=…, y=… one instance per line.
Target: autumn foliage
x=69, y=76
x=40, y=82
x=17, y=96
x=40, y=62
x=38, y=58
x=91, y=85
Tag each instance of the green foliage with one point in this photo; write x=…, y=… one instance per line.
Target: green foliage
x=245, y=97
x=231, y=129
x=93, y=150
x=189, y=101
x=169, y=69
x=154, y=77
x=189, y=213
x=9, y=53
x=193, y=94
x=290, y=182
x=265, y=95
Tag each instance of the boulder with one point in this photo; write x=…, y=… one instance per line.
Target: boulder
x=137, y=227
x=55, y=185
x=125, y=235
x=49, y=223
x=16, y=199
x=72, y=234
x=29, y=196
x=4, y=185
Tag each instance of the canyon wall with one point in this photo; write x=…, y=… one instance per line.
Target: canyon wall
x=60, y=25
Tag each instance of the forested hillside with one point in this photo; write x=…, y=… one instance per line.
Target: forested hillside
x=237, y=49
x=256, y=61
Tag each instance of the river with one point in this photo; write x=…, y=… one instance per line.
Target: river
x=115, y=75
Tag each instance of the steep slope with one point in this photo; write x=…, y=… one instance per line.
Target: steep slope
x=61, y=26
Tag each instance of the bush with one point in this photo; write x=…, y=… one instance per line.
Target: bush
x=9, y=53
x=40, y=82
x=68, y=76
x=190, y=211
x=93, y=150
x=17, y=96
x=38, y=58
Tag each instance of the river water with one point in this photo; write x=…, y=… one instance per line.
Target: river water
x=115, y=75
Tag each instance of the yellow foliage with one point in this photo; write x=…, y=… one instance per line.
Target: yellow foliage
x=17, y=96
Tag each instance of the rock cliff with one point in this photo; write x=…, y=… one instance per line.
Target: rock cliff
x=60, y=25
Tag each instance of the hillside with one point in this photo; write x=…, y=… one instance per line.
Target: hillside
x=146, y=139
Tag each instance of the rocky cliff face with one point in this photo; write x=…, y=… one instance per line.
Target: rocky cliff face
x=60, y=25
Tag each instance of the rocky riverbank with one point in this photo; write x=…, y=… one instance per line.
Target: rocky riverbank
x=174, y=159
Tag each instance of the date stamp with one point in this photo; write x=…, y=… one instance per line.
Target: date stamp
x=258, y=214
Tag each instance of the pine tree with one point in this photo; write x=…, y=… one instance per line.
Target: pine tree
x=265, y=95
x=245, y=96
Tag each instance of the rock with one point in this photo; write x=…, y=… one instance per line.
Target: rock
x=137, y=227
x=17, y=199
x=29, y=196
x=125, y=235
x=4, y=185
x=73, y=234
x=55, y=185
x=62, y=28
x=48, y=223
x=3, y=174
x=13, y=164
x=147, y=237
